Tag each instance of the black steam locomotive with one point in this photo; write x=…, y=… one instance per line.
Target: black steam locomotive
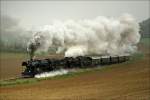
x=36, y=66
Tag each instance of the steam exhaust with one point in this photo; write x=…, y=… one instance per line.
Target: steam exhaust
x=99, y=36
x=52, y=73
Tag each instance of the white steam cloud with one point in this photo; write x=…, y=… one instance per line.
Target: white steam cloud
x=100, y=36
x=52, y=73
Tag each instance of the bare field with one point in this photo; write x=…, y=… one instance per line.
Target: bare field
x=123, y=82
x=128, y=81
x=10, y=64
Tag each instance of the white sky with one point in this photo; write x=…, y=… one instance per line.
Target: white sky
x=35, y=13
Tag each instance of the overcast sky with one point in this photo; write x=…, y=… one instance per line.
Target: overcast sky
x=35, y=13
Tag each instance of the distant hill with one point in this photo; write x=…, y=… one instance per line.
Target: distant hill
x=145, y=28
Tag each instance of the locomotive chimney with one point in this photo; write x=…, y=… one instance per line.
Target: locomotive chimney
x=32, y=47
x=31, y=50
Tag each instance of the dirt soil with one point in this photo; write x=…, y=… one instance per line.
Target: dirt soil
x=121, y=82
x=10, y=65
x=125, y=82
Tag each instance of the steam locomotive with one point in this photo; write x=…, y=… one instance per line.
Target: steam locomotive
x=37, y=66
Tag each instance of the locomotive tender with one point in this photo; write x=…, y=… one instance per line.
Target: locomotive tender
x=36, y=66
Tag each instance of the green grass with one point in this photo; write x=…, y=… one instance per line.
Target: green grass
x=17, y=81
x=136, y=56
x=145, y=41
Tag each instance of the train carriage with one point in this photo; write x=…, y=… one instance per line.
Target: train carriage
x=105, y=60
x=114, y=59
x=96, y=61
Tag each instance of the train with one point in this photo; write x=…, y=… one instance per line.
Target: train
x=37, y=66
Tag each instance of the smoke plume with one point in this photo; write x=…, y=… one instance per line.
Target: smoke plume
x=99, y=36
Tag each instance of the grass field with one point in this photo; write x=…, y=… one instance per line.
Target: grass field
x=145, y=41
x=126, y=81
